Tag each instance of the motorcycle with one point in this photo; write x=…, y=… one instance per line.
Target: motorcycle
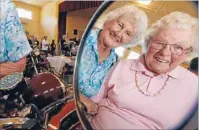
x=31, y=102
x=37, y=63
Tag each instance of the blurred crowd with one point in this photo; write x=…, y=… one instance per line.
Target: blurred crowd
x=64, y=46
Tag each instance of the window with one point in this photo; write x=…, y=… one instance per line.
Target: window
x=24, y=13
x=120, y=51
x=133, y=55
x=145, y=2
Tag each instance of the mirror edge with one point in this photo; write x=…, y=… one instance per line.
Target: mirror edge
x=79, y=107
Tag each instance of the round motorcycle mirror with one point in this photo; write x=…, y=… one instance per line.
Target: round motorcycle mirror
x=80, y=107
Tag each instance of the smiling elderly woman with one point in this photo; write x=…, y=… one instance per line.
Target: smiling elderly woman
x=124, y=26
x=152, y=92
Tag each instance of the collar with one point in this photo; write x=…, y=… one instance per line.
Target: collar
x=137, y=65
x=92, y=37
x=174, y=73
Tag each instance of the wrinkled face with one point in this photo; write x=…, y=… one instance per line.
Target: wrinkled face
x=168, y=49
x=117, y=32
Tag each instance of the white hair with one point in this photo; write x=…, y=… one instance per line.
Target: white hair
x=137, y=18
x=175, y=19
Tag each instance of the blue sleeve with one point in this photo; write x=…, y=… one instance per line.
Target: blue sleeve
x=89, y=90
x=16, y=43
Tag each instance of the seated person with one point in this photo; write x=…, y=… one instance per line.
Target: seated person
x=63, y=40
x=52, y=48
x=154, y=91
x=45, y=46
x=14, y=46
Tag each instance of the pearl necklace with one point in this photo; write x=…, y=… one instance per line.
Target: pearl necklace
x=147, y=94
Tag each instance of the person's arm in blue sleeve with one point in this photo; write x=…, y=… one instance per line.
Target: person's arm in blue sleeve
x=16, y=43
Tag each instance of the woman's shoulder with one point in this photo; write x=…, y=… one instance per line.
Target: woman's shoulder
x=92, y=37
x=188, y=78
x=7, y=9
x=186, y=74
x=7, y=4
x=126, y=63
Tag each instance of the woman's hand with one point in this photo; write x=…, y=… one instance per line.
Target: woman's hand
x=7, y=68
x=91, y=107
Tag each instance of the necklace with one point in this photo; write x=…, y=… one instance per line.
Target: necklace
x=147, y=94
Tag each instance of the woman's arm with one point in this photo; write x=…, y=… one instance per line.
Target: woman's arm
x=107, y=84
x=16, y=43
x=11, y=67
x=91, y=107
x=91, y=104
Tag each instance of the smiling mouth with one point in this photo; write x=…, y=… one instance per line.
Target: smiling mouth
x=115, y=39
x=161, y=60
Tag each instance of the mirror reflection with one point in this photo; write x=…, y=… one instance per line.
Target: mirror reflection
x=123, y=26
x=124, y=86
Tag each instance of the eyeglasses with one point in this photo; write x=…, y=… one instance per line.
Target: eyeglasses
x=174, y=48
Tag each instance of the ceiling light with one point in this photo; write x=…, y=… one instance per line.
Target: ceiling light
x=120, y=51
x=145, y=2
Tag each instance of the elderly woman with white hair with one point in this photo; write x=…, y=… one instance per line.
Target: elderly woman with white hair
x=154, y=91
x=123, y=26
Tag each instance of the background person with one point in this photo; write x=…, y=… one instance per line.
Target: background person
x=14, y=45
